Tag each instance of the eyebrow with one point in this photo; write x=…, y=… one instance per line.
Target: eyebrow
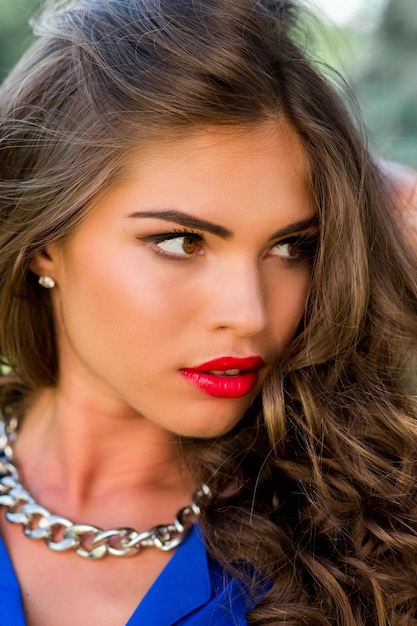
x=308, y=223
x=189, y=221
x=179, y=217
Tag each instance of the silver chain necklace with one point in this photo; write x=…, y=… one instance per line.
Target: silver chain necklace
x=90, y=542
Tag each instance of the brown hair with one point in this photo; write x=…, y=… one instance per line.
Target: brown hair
x=314, y=491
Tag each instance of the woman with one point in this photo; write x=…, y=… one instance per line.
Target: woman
x=203, y=290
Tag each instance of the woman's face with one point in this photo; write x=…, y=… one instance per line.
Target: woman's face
x=198, y=254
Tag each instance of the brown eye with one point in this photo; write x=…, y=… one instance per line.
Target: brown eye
x=283, y=250
x=296, y=249
x=190, y=244
x=179, y=245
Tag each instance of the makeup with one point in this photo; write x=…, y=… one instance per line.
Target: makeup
x=225, y=377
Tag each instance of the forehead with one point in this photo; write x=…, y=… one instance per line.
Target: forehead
x=220, y=148
x=235, y=176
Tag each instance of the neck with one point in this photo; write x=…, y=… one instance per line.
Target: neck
x=74, y=457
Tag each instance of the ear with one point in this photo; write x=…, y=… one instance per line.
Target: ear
x=43, y=264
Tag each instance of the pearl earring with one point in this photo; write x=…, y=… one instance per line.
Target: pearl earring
x=46, y=281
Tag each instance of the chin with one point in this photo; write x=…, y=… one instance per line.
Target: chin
x=207, y=431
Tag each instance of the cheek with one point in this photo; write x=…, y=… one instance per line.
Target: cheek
x=286, y=304
x=115, y=300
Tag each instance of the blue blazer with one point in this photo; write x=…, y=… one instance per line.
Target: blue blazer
x=192, y=590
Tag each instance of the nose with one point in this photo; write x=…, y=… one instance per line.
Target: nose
x=238, y=300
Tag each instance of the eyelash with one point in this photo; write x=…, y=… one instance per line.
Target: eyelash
x=155, y=240
x=307, y=243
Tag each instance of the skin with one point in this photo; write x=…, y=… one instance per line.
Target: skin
x=117, y=291
x=102, y=447
x=403, y=183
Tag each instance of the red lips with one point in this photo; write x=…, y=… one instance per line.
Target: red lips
x=226, y=377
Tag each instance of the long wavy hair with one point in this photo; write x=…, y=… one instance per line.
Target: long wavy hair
x=314, y=492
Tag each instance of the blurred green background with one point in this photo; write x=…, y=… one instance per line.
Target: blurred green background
x=373, y=43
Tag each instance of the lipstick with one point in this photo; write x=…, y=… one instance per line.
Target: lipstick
x=226, y=377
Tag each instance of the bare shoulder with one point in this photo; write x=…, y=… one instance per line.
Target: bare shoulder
x=403, y=182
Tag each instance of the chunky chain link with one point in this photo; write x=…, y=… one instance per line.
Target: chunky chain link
x=90, y=542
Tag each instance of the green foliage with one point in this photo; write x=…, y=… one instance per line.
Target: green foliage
x=381, y=65
x=387, y=83
x=14, y=30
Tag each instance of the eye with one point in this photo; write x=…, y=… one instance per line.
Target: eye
x=187, y=244
x=283, y=249
x=294, y=249
x=178, y=245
